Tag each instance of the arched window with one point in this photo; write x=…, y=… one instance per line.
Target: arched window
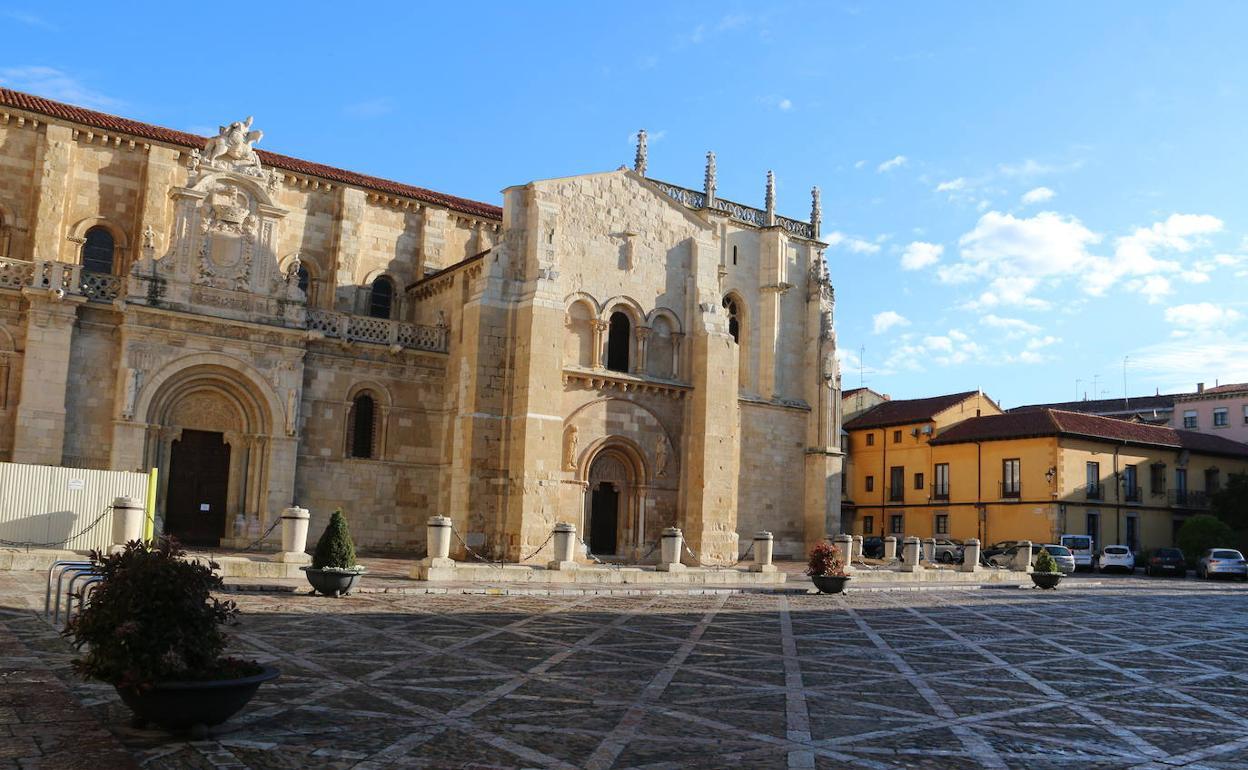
x=97, y=251
x=619, y=340
x=362, y=427
x=579, y=343
x=305, y=280
x=734, y=319
x=307, y=283
x=4, y=237
x=381, y=298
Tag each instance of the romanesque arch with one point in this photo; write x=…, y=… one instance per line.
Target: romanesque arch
x=614, y=476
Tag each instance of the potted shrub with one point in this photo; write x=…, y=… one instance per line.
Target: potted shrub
x=1045, y=573
x=826, y=569
x=152, y=629
x=334, y=571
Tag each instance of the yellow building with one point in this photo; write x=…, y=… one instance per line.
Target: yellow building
x=1030, y=475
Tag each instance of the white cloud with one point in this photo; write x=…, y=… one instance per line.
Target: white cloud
x=1032, y=168
x=1178, y=364
x=1153, y=287
x=1201, y=316
x=1038, y=195
x=920, y=254
x=785, y=104
x=651, y=137
x=953, y=185
x=1036, y=343
x=370, y=108
x=897, y=161
x=1194, y=276
x=859, y=163
x=29, y=19
x=1011, y=327
x=882, y=322
x=856, y=245
x=54, y=84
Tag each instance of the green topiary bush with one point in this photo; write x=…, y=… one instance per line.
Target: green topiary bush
x=1200, y=533
x=335, y=550
x=1045, y=562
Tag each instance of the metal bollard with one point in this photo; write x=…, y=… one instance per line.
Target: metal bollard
x=763, y=545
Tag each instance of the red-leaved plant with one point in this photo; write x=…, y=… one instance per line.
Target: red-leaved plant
x=154, y=619
x=825, y=561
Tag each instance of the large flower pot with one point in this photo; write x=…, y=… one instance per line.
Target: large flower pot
x=1046, y=579
x=333, y=582
x=193, y=706
x=830, y=584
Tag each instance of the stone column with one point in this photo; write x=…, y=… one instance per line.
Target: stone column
x=54, y=177
x=845, y=544
x=670, y=547
x=1022, y=559
x=929, y=549
x=39, y=432
x=643, y=347
x=858, y=547
x=128, y=516
x=677, y=339
x=563, y=544
x=437, y=565
x=597, y=328
x=763, y=544
x=890, y=548
x=910, y=555
x=295, y=536
x=970, y=556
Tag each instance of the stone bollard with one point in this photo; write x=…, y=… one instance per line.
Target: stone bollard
x=1022, y=559
x=295, y=536
x=970, y=556
x=128, y=516
x=845, y=544
x=910, y=555
x=437, y=565
x=670, y=546
x=564, y=544
x=929, y=550
x=890, y=548
x=763, y=544
x=857, y=548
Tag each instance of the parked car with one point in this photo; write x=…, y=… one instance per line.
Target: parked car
x=873, y=547
x=948, y=551
x=1060, y=553
x=1217, y=562
x=1166, y=561
x=1005, y=557
x=1116, y=557
x=1081, y=547
x=996, y=549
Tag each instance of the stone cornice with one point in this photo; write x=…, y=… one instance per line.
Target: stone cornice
x=608, y=380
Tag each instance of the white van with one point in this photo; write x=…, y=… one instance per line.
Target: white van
x=1081, y=547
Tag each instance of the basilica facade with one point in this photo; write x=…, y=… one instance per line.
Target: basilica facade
x=608, y=350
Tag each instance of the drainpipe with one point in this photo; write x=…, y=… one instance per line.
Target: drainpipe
x=883, y=475
x=1117, y=499
x=980, y=513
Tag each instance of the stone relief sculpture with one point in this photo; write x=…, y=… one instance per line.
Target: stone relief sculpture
x=660, y=457
x=570, y=439
x=231, y=149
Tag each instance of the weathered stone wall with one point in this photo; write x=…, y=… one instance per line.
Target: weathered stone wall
x=772, y=441
x=12, y=334
x=91, y=390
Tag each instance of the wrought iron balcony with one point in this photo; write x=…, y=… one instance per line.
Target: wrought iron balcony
x=1093, y=491
x=1131, y=494
x=1185, y=498
x=896, y=494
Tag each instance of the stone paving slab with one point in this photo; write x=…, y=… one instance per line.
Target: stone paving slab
x=1125, y=673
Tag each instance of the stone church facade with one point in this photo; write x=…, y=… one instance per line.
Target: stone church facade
x=606, y=349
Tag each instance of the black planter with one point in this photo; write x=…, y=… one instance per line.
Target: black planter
x=830, y=584
x=332, y=582
x=193, y=706
x=1046, y=579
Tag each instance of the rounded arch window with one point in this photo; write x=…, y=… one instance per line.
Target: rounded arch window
x=362, y=427
x=734, y=318
x=381, y=298
x=98, y=249
x=619, y=339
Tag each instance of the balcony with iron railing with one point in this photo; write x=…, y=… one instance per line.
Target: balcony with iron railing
x=1092, y=492
x=897, y=494
x=72, y=280
x=1132, y=494
x=1186, y=498
x=940, y=492
x=1010, y=490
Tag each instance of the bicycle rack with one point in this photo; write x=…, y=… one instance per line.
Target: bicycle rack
x=60, y=569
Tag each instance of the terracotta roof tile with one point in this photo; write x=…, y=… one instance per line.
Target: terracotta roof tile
x=102, y=120
x=905, y=411
x=1106, y=405
x=1053, y=422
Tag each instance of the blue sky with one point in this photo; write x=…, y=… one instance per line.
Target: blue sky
x=1018, y=196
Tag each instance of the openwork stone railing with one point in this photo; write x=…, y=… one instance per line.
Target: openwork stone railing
x=742, y=213
x=71, y=279
x=382, y=331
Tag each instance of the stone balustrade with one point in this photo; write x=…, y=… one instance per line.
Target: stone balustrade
x=355, y=328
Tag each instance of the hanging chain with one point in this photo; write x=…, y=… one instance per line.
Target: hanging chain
x=538, y=550
x=256, y=543
x=596, y=560
x=498, y=564
x=58, y=543
x=730, y=565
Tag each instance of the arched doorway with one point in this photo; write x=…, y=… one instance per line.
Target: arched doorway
x=609, y=491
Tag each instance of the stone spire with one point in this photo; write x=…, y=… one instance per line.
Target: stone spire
x=709, y=184
x=639, y=162
x=816, y=213
x=770, y=198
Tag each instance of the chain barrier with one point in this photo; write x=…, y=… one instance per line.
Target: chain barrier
x=538, y=550
x=256, y=543
x=596, y=560
x=58, y=543
x=730, y=565
x=653, y=547
x=498, y=564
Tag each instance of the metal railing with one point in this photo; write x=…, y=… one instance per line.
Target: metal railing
x=1093, y=491
x=1010, y=490
x=1131, y=494
x=896, y=494
x=940, y=493
x=1185, y=498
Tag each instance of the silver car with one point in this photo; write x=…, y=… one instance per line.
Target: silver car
x=1061, y=554
x=1221, y=562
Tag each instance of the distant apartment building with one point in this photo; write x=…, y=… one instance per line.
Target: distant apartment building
x=1221, y=410
x=933, y=468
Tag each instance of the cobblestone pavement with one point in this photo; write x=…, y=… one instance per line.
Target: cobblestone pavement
x=1131, y=674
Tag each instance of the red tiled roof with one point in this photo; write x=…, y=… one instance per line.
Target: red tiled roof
x=102, y=120
x=1052, y=422
x=906, y=411
x=1132, y=405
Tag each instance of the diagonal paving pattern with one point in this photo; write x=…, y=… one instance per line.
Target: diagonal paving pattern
x=1133, y=674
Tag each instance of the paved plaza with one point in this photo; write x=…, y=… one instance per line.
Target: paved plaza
x=1125, y=674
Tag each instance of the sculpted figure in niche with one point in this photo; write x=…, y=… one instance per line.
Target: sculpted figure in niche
x=570, y=440
x=234, y=143
x=660, y=457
